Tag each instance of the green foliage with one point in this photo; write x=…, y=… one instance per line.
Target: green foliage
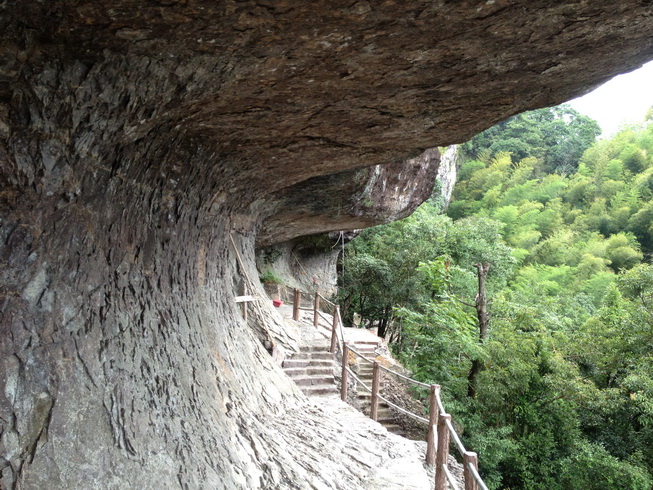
x=557, y=136
x=565, y=399
x=592, y=467
x=270, y=277
x=380, y=265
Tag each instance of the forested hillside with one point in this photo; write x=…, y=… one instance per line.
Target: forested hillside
x=548, y=361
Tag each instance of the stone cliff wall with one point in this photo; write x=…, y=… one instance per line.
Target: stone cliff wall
x=447, y=174
x=137, y=138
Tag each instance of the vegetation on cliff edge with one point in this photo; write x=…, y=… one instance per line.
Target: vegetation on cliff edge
x=564, y=396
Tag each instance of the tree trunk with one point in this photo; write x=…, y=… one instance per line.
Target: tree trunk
x=483, y=320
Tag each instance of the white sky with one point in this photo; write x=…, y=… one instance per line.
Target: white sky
x=623, y=100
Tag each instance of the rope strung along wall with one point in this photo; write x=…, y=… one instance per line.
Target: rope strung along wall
x=251, y=286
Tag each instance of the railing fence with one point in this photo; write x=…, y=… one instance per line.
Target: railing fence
x=440, y=428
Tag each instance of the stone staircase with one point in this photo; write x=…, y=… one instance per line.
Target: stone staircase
x=385, y=415
x=312, y=369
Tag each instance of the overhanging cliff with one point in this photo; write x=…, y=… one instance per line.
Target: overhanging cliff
x=137, y=136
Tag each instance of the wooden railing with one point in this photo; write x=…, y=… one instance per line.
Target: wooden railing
x=337, y=335
x=440, y=428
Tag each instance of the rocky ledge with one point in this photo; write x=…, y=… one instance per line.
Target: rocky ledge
x=146, y=147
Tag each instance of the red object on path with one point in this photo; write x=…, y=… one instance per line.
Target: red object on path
x=277, y=302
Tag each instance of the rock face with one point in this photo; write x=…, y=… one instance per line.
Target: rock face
x=138, y=139
x=447, y=174
x=350, y=200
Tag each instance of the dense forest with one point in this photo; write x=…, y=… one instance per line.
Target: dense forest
x=530, y=300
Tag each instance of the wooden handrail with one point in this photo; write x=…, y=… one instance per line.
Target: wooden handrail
x=358, y=380
x=456, y=439
x=450, y=479
x=441, y=429
x=473, y=468
x=404, y=411
x=434, y=421
x=326, y=300
x=414, y=381
x=351, y=349
x=296, y=303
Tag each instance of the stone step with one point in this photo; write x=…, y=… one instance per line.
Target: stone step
x=313, y=380
x=322, y=363
x=382, y=410
x=318, y=390
x=308, y=370
x=295, y=372
x=313, y=355
x=312, y=370
x=382, y=417
x=369, y=353
x=395, y=429
x=322, y=346
x=385, y=421
x=323, y=355
x=296, y=363
x=365, y=349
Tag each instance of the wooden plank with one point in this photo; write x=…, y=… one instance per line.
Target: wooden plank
x=241, y=299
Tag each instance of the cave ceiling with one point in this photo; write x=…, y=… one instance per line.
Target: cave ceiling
x=279, y=92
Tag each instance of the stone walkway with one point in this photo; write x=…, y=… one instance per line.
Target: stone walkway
x=393, y=462
x=398, y=463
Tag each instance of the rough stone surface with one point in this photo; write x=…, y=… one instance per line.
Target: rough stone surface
x=137, y=137
x=447, y=174
x=307, y=263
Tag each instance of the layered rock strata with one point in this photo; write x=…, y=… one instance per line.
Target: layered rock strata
x=146, y=147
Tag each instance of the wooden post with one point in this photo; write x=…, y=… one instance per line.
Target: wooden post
x=334, y=335
x=376, y=378
x=345, y=362
x=296, y=304
x=470, y=481
x=433, y=424
x=442, y=456
x=316, y=305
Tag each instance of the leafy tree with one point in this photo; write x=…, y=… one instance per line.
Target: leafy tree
x=566, y=396
x=557, y=136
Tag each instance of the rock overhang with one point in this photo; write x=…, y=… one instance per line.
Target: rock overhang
x=137, y=137
x=273, y=94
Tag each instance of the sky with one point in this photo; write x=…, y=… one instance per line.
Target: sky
x=623, y=100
